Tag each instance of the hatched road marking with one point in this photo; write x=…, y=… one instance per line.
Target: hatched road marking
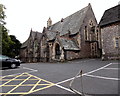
x=35, y=83
x=24, y=80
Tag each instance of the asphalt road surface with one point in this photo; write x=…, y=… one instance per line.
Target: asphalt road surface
x=99, y=78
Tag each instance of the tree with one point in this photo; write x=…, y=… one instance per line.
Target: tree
x=6, y=42
x=4, y=38
x=15, y=48
x=9, y=45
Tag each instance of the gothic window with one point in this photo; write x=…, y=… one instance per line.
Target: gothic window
x=93, y=29
x=117, y=42
x=93, y=33
x=86, y=33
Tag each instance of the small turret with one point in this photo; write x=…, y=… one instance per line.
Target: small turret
x=49, y=22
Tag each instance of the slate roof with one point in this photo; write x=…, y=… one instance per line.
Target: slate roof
x=71, y=23
x=50, y=35
x=68, y=44
x=110, y=16
x=33, y=34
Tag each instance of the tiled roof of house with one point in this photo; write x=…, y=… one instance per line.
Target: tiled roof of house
x=110, y=16
x=68, y=44
x=71, y=23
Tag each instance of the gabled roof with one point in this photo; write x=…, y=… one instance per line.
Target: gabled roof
x=33, y=35
x=68, y=44
x=70, y=24
x=110, y=16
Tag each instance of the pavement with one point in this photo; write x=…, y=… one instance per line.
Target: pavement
x=98, y=78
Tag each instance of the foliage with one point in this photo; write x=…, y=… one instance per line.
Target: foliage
x=2, y=14
x=10, y=45
x=15, y=47
x=6, y=42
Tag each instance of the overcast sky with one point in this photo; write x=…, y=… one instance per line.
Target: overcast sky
x=22, y=15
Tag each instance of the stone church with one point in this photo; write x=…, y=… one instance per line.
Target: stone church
x=74, y=37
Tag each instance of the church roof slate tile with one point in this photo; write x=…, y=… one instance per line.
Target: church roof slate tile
x=68, y=44
x=71, y=23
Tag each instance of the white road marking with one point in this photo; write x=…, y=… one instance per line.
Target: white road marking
x=94, y=76
x=85, y=73
x=57, y=84
x=113, y=68
x=32, y=70
x=64, y=88
x=115, y=63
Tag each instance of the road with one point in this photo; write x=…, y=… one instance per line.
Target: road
x=98, y=78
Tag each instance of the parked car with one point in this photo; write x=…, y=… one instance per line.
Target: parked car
x=6, y=61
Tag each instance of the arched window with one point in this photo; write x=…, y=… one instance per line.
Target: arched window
x=86, y=33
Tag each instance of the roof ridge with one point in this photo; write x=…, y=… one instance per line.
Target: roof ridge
x=112, y=7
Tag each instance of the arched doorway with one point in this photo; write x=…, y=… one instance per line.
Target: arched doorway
x=47, y=53
x=57, y=51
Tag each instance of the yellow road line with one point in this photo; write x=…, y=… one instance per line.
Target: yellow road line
x=34, y=86
x=18, y=85
x=42, y=88
x=27, y=85
x=41, y=79
x=11, y=80
x=16, y=79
